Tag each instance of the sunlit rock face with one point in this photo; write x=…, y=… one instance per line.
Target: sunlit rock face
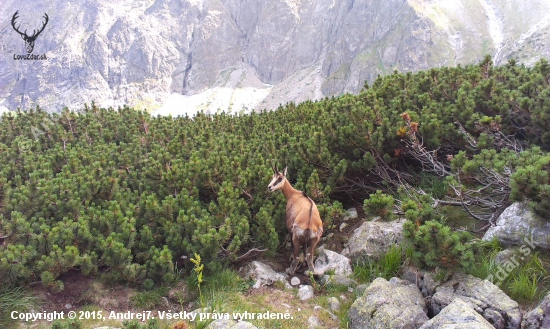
x=180, y=56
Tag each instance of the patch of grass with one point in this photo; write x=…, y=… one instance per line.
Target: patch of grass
x=523, y=287
x=458, y=218
x=525, y=282
x=14, y=299
x=148, y=299
x=67, y=324
x=441, y=275
x=228, y=280
x=433, y=184
x=485, y=259
x=135, y=324
x=95, y=313
x=343, y=313
x=387, y=266
x=333, y=289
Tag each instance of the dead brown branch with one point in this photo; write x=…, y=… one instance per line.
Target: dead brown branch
x=250, y=253
x=491, y=196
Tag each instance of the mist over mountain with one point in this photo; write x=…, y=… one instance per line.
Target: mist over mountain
x=176, y=56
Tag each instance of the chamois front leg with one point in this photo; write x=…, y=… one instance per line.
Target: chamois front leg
x=296, y=256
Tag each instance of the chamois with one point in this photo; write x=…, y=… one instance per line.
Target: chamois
x=302, y=220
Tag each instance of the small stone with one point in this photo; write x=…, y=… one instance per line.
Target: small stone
x=165, y=301
x=230, y=323
x=314, y=322
x=329, y=260
x=305, y=292
x=351, y=213
x=503, y=256
x=200, y=310
x=343, y=226
x=68, y=306
x=337, y=280
x=317, y=307
x=295, y=281
x=333, y=304
x=264, y=275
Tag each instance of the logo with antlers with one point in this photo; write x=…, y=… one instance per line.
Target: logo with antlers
x=29, y=39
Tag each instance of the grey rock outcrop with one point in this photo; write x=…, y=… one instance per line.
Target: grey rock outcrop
x=373, y=239
x=519, y=226
x=539, y=317
x=328, y=260
x=457, y=314
x=483, y=296
x=220, y=53
x=264, y=275
x=389, y=304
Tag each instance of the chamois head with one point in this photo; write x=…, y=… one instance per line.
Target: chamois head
x=278, y=180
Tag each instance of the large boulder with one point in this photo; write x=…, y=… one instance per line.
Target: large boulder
x=374, y=239
x=483, y=296
x=264, y=275
x=389, y=304
x=332, y=261
x=519, y=226
x=539, y=317
x=458, y=314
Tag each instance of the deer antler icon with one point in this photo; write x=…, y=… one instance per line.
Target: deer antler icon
x=29, y=40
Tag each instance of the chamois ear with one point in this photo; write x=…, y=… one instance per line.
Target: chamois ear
x=285, y=171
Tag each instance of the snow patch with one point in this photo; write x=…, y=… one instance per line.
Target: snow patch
x=214, y=100
x=496, y=25
x=293, y=5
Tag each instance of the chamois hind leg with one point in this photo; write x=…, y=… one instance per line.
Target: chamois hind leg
x=311, y=251
x=290, y=254
x=296, y=259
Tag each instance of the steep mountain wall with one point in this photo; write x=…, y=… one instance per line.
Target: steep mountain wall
x=177, y=56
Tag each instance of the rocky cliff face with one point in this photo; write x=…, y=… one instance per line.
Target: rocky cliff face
x=177, y=56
